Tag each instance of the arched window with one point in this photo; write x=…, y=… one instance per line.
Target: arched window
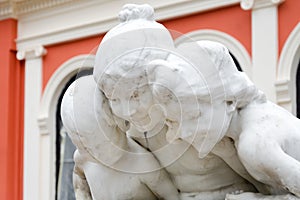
x=65, y=150
x=287, y=87
x=238, y=52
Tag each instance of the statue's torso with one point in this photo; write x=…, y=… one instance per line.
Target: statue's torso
x=192, y=174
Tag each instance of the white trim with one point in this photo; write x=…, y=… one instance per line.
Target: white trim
x=33, y=90
x=283, y=94
x=233, y=45
x=57, y=81
x=265, y=49
x=9, y=8
x=287, y=69
x=6, y=10
x=46, y=122
x=32, y=52
x=257, y=4
x=22, y=7
x=290, y=49
x=62, y=23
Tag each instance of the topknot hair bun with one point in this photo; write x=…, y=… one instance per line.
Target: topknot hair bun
x=132, y=12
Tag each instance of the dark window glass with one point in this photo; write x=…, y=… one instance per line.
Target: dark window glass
x=65, y=150
x=237, y=64
x=298, y=90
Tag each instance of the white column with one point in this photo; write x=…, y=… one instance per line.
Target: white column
x=33, y=90
x=264, y=43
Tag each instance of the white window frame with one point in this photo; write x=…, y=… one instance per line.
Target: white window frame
x=47, y=121
x=287, y=71
x=233, y=45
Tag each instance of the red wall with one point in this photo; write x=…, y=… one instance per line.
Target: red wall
x=58, y=54
x=11, y=117
x=288, y=18
x=231, y=20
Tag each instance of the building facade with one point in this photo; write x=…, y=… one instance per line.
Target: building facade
x=45, y=43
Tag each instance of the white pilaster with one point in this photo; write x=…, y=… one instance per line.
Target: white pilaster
x=33, y=90
x=264, y=43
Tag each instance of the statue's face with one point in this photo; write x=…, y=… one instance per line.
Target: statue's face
x=132, y=102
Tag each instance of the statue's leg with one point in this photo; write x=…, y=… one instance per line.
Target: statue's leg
x=81, y=187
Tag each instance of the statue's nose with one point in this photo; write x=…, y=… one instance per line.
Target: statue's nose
x=127, y=110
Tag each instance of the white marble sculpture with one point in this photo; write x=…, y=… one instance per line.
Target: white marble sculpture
x=159, y=118
x=107, y=164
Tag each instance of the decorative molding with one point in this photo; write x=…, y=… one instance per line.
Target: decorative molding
x=247, y=4
x=54, y=87
x=288, y=66
x=32, y=95
x=43, y=125
x=46, y=122
x=15, y=8
x=68, y=34
x=23, y=7
x=6, y=10
x=290, y=54
x=283, y=95
x=257, y=4
x=31, y=53
x=95, y=23
x=181, y=8
x=234, y=46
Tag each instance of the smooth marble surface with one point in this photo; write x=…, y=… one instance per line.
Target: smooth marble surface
x=176, y=122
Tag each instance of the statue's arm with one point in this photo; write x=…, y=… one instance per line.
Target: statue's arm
x=226, y=150
x=160, y=184
x=81, y=187
x=266, y=161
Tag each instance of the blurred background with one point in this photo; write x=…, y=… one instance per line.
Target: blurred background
x=45, y=43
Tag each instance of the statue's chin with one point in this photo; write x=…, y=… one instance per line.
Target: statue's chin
x=133, y=132
x=150, y=126
x=144, y=124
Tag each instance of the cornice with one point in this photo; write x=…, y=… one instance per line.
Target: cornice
x=34, y=5
x=100, y=23
x=257, y=4
x=6, y=10
x=15, y=8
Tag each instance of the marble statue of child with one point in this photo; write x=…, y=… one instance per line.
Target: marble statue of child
x=260, y=138
x=205, y=122
x=108, y=165
x=266, y=137
x=123, y=71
